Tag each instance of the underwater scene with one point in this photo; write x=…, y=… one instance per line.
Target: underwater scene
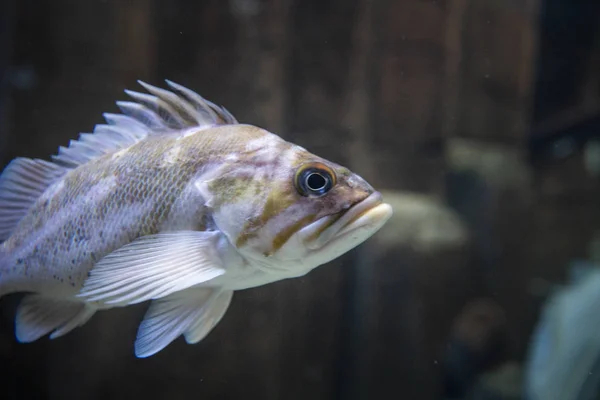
x=300, y=199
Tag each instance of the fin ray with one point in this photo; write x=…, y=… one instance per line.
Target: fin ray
x=22, y=182
x=210, y=318
x=38, y=315
x=219, y=115
x=163, y=109
x=192, y=313
x=185, y=109
x=154, y=266
x=160, y=112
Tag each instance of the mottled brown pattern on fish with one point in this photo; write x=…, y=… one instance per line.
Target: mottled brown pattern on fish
x=278, y=200
x=240, y=187
x=132, y=192
x=214, y=143
x=323, y=228
x=282, y=237
x=234, y=188
x=110, y=201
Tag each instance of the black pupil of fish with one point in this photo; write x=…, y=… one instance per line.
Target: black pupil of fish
x=316, y=182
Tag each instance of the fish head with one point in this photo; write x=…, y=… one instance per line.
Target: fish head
x=339, y=209
x=286, y=208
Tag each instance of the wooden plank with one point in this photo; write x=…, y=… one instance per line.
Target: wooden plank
x=453, y=59
x=497, y=94
x=406, y=84
x=136, y=43
x=590, y=88
x=353, y=368
x=355, y=113
x=72, y=61
x=569, y=91
x=318, y=79
x=407, y=75
x=7, y=28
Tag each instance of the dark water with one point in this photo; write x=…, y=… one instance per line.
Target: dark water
x=479, y=118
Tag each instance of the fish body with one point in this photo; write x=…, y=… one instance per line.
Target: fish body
x=176, y=202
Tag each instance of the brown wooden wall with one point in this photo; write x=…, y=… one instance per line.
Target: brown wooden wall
x=401, y=91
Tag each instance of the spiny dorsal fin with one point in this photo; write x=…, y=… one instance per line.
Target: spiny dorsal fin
x=22, y=182
x=159, y=112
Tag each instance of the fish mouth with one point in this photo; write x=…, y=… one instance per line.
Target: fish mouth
x=353, y=226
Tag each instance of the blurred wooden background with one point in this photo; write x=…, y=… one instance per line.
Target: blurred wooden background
x=415, y=95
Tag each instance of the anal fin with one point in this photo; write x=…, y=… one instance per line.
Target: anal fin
x=193, y=313
x=38, y=315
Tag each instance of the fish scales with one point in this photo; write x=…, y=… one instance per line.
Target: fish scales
x=113, y=200
x=175, y=202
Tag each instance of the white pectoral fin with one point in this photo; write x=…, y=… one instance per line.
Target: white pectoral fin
x=154, y=266
x=38, y=315
x=193, y=313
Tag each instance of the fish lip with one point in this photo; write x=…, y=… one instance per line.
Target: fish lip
x=344, y=223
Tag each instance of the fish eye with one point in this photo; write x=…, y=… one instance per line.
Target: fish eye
x=314, y=179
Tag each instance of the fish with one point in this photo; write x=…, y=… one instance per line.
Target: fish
x=174, y=202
